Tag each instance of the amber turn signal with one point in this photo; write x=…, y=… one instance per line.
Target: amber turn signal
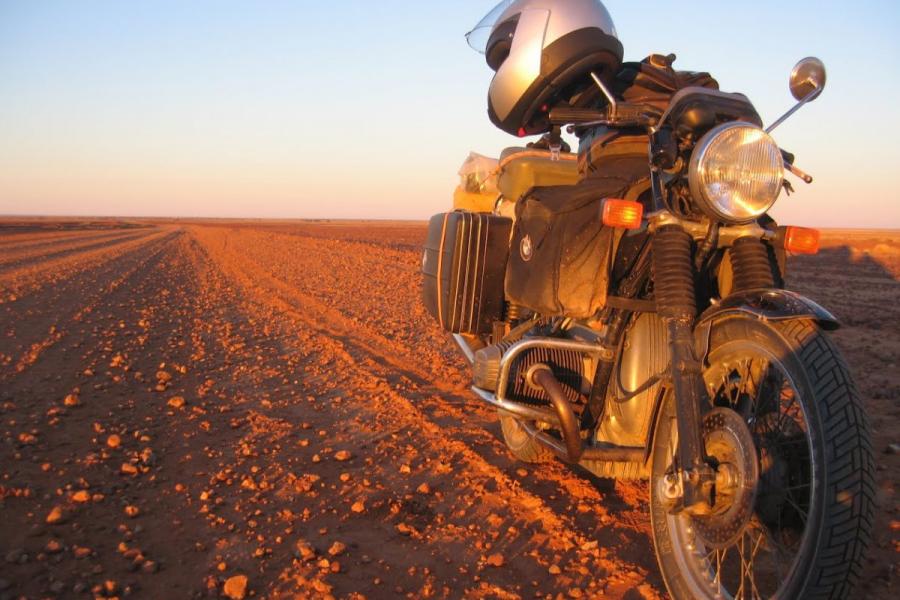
x=622, y=213
x=801, y=240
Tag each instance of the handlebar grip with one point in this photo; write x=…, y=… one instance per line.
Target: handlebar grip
x=566, y=116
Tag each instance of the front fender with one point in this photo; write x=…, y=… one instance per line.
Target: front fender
x=765, y=305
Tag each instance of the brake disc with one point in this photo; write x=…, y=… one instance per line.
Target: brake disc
x=729, y=444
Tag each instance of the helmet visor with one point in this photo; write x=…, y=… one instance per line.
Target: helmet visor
x=481, y=33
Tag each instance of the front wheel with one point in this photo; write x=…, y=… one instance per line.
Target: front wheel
x=796, y=519
x=522, y=445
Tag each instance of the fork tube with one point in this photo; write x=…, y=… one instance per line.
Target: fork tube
x=676, y=302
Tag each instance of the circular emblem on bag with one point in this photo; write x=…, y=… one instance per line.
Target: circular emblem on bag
x=526, y=249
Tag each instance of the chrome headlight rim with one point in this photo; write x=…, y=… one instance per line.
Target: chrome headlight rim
x=698, y=190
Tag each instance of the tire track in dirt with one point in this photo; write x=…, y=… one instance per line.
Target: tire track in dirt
x=424, y=407
x=34, y=325
x=34, y=278
x=29, y=259
x=24, y=254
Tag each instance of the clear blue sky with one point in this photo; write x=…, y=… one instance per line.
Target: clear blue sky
x=362, y=109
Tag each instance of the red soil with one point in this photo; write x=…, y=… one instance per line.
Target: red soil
x=271, y=401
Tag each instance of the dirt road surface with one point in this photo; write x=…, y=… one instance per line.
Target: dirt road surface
x=265, y=410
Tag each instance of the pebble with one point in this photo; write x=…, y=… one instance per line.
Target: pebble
x=236, y=587
x=53, y=547
x=132, y=511
x=150, y=566
x=358, y=507
x=129, y=469
x=554, y=570
x=113, y=441
x=176, y=402
x=81, y=496
x=424, y=489
x=305, y=551
x=495, y=560
x=342, y=455
x=72, y=400
x=55, y=516
x=337, y=549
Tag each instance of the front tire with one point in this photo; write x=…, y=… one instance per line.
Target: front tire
x=813, y=507
x=520, y=443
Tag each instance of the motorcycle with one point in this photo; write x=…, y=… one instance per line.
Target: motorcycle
x=639, y=327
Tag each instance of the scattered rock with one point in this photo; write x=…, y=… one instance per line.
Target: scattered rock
x=129, y=469
x=236, y=587
x=495, y=560
x=56, y=516
x=27, y=439
x=554, y=570
x=113, y=441
x=424, y=489
x=72, y=400
x=176, y=402
x=132, y=511
x=81, y=496
x=342, y=455
x=358, y=507
x=305, y=551
x=337, y=549
x=150, y=566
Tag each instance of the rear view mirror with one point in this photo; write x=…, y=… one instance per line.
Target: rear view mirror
x=808, y=79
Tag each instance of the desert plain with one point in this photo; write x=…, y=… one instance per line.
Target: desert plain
x=264, y=409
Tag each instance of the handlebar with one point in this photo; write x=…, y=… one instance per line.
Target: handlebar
x=624, y=115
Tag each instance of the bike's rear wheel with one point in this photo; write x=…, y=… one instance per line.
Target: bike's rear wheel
x=808, y=519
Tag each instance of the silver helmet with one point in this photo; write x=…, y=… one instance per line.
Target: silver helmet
x=541, y=51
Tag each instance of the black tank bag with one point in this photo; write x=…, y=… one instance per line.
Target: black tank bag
x=561, y=253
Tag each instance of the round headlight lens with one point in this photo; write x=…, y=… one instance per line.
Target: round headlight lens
x=736, y=172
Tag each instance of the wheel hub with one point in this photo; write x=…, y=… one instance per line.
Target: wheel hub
x=730, y=447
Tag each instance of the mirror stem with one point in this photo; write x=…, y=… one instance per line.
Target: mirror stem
x=787, y=115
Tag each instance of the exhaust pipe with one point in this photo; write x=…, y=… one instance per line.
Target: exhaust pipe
x=560, y=414
x=540, y=375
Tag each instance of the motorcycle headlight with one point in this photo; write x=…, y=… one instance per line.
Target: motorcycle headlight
x=736, y=172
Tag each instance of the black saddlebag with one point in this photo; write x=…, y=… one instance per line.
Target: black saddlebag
x=561, y=253
x=463, y=268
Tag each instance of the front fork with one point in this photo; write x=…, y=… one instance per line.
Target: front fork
x=692, y=483
x=673, y=276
